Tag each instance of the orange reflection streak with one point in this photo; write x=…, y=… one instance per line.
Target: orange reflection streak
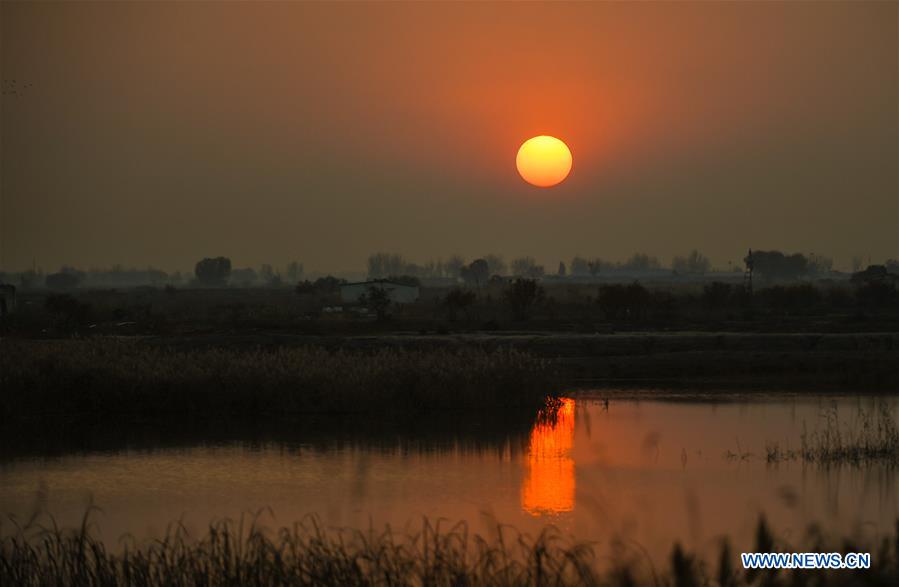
x=549, y=485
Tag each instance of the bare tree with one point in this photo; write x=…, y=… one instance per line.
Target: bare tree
x=213, y=271
x=294, y=271
x=378, y=299
x=522, y=295
x=477, y=272
x=527, y=267
x=695, y=262
x=454, y=266
x=381, y=265
x=496, y=264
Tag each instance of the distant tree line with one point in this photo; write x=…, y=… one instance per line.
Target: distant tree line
x=871, y=292
x=768, y=266
x=778, y=266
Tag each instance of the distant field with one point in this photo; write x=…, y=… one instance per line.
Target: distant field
x=819, y=360
x=563, y=307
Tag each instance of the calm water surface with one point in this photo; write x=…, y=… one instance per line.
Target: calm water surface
x=652, y=471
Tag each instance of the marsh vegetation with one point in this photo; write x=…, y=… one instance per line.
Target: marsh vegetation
x=872, y=436
x=121, y=377
x=245, y=552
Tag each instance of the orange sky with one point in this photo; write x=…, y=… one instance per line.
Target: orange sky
x=159, y=133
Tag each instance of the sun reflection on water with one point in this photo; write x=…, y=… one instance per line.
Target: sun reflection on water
x=549, y=482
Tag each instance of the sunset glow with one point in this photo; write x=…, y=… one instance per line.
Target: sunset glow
x=549, y=484
x=543, y=161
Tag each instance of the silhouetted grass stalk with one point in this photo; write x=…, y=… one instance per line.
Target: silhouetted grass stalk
x=873, y=437
x=245, y=553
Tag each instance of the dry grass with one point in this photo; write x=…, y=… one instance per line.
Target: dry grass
x=244, y=553
x=872, y=437
x=110, y=376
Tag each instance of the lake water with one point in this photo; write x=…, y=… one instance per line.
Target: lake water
x=649, y=471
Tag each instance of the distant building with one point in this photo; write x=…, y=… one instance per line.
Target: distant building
x=7, y=299
x=399, y=293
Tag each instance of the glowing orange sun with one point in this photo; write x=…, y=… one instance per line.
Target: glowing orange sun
x=543, y=161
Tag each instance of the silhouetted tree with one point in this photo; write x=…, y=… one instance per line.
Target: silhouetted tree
x=579, y=266
x=454, y=265
x=582, y=266
x=377, y=298
x=774, y=265
x=381, y=265
x=495, y=265
x=294, y=271
x=458, y=299
x=874, y=273
x=819, y=265
x=476, y=273
x=527, y=267
x=328, y=285
x=641, y=262
x=213, y=271
x=695, y=262
x=522, y=295
x=875, y=286
x=269, y=276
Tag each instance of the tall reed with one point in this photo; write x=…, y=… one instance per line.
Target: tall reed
x=110, y=376
x=244, y=553
x=872, y=437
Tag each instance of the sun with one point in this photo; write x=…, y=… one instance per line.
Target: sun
x=543, y=161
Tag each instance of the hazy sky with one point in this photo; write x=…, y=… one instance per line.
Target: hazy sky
x=158, y=133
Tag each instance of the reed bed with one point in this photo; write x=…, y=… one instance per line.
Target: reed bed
x=111, y=376
x=244, y=553
x=872, y=437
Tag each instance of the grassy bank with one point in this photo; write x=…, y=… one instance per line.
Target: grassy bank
x=118, y=377
x=246, y=554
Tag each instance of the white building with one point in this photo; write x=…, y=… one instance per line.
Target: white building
x=399, y=293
